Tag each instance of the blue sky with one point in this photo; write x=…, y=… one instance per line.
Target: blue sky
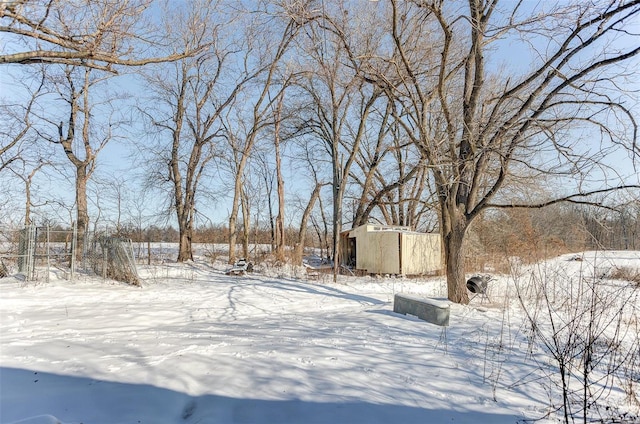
x=117, y=159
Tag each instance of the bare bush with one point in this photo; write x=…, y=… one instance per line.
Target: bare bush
x=626, y=274
x=583, y=324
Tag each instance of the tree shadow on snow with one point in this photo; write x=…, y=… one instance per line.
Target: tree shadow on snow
x=320, y=289
x=31, y=397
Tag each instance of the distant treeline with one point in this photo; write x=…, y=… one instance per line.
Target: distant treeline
x=169, y=234
x=534, y=234
x=524, y=233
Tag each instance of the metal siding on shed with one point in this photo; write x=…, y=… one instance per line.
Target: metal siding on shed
x=421, y=253
x=378, y=252
x=395, y=250
x=389, y=253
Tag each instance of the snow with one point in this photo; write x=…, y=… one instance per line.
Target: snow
x=193, y=345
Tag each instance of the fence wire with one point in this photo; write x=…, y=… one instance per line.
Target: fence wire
x=35, y=252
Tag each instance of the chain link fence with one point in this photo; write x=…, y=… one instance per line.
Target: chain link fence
x=111, y=257
x=35, y=253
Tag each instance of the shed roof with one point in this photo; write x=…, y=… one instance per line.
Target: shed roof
x=371, y=228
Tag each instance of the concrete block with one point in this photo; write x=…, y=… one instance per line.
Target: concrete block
x=430, y=310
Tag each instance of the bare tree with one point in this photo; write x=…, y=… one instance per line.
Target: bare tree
x=279, y=227
x=27, y=179
x=19, y=152
x=304, y=223
x=17, y=122
x=391, y=178
x=265, y=171
x=111, y=198
x=338, y=107
x=586, y=326
x=309, y=166
x=269, y=89
x=369, y=160
x=191, y=104
x=80, y=134
x=482, y=128
x=90, y=33
x=97, y=35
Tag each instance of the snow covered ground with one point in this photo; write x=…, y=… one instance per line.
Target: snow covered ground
x=194, y=345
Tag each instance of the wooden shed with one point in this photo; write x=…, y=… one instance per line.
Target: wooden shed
x=382, y=249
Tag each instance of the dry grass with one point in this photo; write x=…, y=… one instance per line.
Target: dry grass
x=627, y=274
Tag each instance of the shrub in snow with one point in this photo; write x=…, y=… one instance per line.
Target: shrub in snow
x=584, y=322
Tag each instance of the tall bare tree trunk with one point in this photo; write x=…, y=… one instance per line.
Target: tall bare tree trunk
x=180, y=188
x=246, y=223
x=27, y=205
x=83, y=161
x=280, y=240
x=235, y=210
x=185, y=230
x=268, y=184
x=302, y=233
x=454, y=224
x=81, y=205
x=323, y=232
x=337, y=216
